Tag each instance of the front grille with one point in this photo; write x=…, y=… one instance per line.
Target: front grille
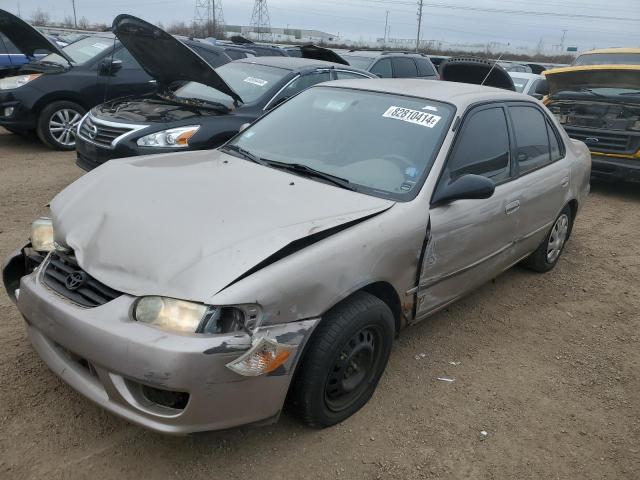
x=83, y=289
x=607, y=141
x=101, y=134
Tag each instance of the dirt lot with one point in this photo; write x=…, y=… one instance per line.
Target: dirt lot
x=549, y=367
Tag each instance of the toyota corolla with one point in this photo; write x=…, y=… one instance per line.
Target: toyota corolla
x=196, y=291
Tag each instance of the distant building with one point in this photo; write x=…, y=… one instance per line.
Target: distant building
x=295, y=35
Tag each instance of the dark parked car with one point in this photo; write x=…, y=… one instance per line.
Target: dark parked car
x=50, y=95
x=204, y=112
x=393, y=64
x=11, y=58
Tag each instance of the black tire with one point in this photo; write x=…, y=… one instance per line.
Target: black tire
x=540, y=261
x=51, y=113
x=357, y=332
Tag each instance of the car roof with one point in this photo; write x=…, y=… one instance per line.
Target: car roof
x=612, y=50
x=459, y=94
x=293, y=63
x=380, y=53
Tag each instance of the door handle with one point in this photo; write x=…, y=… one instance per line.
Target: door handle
x=153, y=81
x=512, y=207
x=565, y=182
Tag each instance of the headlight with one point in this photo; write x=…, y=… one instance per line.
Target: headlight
x=17, y=81
x=190, y=317
x=42, y=235
x=174, y=137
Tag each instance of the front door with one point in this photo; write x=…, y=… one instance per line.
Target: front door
x=472, y=241
x=127, y=79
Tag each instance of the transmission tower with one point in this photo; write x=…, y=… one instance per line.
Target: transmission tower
x=208, y=18
x=260, y=20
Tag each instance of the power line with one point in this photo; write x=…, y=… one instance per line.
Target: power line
x=260, y=19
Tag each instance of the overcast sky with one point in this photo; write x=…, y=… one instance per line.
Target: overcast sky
x=589, y=23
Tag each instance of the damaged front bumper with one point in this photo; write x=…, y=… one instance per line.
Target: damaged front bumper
x=162, y=381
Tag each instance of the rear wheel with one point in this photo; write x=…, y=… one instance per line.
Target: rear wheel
x=548, y=253
x=57, y=124
x=344, y=361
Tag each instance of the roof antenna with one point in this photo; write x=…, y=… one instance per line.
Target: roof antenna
x=492, y=67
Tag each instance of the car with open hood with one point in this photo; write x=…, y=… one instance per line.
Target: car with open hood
x=206, y=109
x=196, y=291
x=597, y=101
x=51, y=94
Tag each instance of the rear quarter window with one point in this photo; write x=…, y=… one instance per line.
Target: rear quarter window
x=425, y=68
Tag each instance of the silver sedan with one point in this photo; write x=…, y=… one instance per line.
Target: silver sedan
x=196, y=291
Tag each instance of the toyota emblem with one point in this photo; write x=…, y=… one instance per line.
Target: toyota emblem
x=75, y=280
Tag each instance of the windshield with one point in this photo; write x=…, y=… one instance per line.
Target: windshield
x=608, y=59
x=358, y=62
x=383, y=144
x=82, y=51
x=248, y=80
x=519, y=83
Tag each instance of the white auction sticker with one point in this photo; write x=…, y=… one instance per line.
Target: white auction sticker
x=412, y=116
x=256, y=81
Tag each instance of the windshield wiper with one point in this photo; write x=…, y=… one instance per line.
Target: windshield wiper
x=194, y=102
x=246, y=154
x=307, y=171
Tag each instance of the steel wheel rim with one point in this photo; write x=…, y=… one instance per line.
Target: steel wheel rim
x=62, y=126
x=557, y=238
x=353, y=369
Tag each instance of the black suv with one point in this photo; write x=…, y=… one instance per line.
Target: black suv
x=51, y=94
x=392, y=64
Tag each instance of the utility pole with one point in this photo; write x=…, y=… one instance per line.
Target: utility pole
x=564, y=36
x=386, y=22
x=260, y=19
x=420, y=6
x=75, y=19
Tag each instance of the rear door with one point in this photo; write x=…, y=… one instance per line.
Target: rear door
x=543, y=173
x=471, y=241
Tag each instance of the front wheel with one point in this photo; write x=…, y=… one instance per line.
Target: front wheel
x=548, y=253
x=57, y=124
x=344, y=361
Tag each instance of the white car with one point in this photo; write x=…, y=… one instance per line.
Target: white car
x=526, y=82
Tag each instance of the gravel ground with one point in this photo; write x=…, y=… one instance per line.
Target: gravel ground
x=548, y=367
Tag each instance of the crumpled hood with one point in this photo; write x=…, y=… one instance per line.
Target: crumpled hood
x=593, y=76
x=187, y=225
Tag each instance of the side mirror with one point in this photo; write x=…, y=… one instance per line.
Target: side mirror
x=467, y=187
x=109, y=67
x=542, y=88
x=243, y=127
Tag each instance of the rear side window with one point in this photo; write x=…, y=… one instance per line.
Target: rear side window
x=557, y=152
x=404, y=68
x=483, y=146
x=532, y=138
x=425, y=68
x=382, y=68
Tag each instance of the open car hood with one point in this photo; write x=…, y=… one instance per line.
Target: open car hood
x=188, y=225
x=319, y=53
x=164, y=57
x=25, y=37
x=476, y=71
x=593, y=76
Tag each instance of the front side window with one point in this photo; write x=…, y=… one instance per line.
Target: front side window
x=404, y=68
x=383, y=144
x=248, y=80
x=425, y=67
x=483, y=146
x=126, y=58
x=532, y=139
x=382, y=68
x=212, y=58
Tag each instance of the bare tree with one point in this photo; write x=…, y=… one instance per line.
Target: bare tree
x=83, y=23
x=40, y=17
x=67, y=21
